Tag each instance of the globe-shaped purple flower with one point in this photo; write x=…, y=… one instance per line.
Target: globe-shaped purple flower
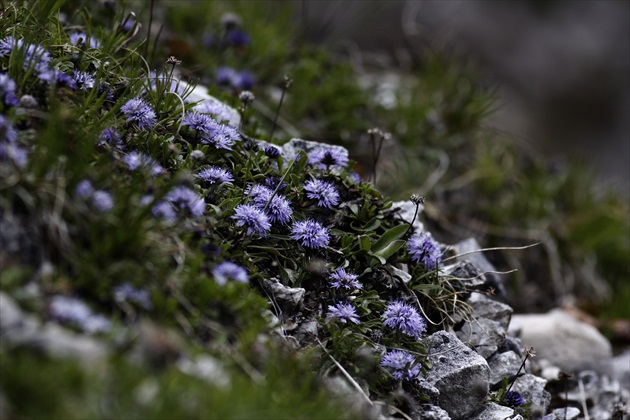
x=253, y=218
x=341, y=279
x=227, y=270
x=403, y=317
x=323, y=192
x=140, y=113
x=310, y=233
x=424, y=250
x=344, y=312
x=401, y=364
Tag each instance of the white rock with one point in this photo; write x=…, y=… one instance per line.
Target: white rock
x=566, y=342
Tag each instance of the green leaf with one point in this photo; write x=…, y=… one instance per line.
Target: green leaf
x=390, y=249
x=388, y=237
x=364, y=242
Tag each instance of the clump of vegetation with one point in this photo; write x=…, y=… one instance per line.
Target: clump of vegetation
x=145, y=199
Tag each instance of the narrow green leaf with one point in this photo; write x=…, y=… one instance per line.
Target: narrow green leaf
x=388, y=237
x=390, y=249
x=364, y=242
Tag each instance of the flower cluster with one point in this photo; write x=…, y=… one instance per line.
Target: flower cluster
x=401, y=364
x=344, y=312
x=139, y=161
x=252, y=217
x=277, y=207
x=101, y=200
x=239, y=80
x=36, y=58
x=310, y=234
x=324, y=192
x=69, y=310
x=127, y=293
x=514, y=399
x=10, y=149
x=80, y=39
x=403, y=317
x=140, y=113
x=220, y=136
x=341, y=279
x=424, y=250
x=111, y=138
x=186, y=199
x=215, y=175
x=326, y=158
x=227, y=270
x=161, y=209
x=7, y=91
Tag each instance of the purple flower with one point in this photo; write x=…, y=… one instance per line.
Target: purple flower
x=7, y=132
x=61, y=79
x=102, y=200
x=184, y=198
x=310, y=234
x=84, y=189
x=36, y=58
x=244, y=80
x=83, y=80
x=127, y=293
x=401, y=364
x=324, y=192
x=161, y=209
x=73, y=311
x=344, y=280
x=139, y=112
x=423, y=249
x=80, y=39
x=110, y=137
x=15, y=153
x=220, y=136
x=325, y=158
x=229, y=271
x=255, y=219
x=344, y=312
x=215, y=175
x=272, y=152
x=405, y=318
x=7, y=91
x=278, y=208
x=237, y=38
x=514, y=399
x=198, y=122
x=140, y=161
x=225, y=75
x=272, y=183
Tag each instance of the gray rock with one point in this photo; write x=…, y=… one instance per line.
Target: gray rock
x=432, y=412
x=287, y=298
x=486, y=331
x=567, y=413
x=493, y=411
x=620, y=369
x=460, y=374
x=563, y=340
x=532, y=388
x=488, y=308
x=19, y=328
x=503, y=365
x=208, y=103
x=484, y=335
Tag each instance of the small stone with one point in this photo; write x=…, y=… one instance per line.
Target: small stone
x=567, y=413
x=493, y=411
x=503, y=365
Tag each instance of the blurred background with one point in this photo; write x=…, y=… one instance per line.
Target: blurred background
x=562, y=68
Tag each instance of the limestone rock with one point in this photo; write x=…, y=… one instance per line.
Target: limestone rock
x=532, y=388
x=568, y=413
x=407, y=211
x=432, y=412
x=460, y=374
x=493, y=411
x=287, y=298
x=483, y=265
x=566, y=342
x=503, y=365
